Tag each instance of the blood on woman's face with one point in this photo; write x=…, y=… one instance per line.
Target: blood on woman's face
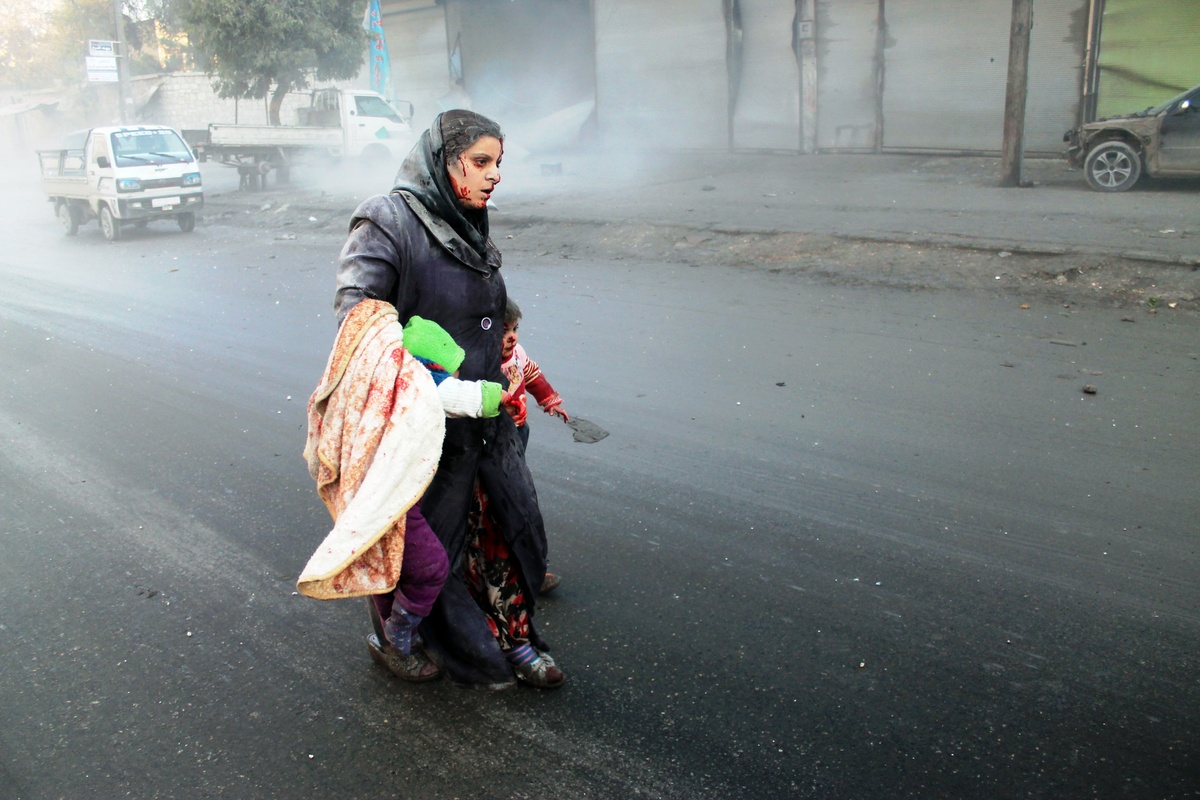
x=475, y=173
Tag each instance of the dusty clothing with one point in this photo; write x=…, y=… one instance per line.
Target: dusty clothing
x=524, y=375
x=492, y=580
x=400, y=252
x=423, y=572
x=375, y=425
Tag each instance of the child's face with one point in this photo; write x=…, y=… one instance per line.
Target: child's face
x=510, y=339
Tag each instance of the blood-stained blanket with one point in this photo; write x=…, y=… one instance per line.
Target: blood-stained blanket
x=375, y=430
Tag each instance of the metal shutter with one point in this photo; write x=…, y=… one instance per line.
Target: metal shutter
x=1148, y=53
x=416, y=40
x=767, y=115
x=945, y=70
x=847, y=31
x=660, y=74
x=1056, y=56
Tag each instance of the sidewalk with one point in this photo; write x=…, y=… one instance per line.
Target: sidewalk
x=917, y=199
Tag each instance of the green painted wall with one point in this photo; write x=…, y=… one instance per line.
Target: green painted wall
x=1149, y=52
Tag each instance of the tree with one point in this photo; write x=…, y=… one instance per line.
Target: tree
x=45, y=43
x=253, y=47
x=20, y=35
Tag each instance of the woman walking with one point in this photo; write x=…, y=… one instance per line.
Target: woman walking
x=424, y=248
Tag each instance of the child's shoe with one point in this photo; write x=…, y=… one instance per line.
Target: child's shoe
x=401, y=630
x=415, y=667
x=535, y=668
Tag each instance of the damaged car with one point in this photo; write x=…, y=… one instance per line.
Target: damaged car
x=1162, y=142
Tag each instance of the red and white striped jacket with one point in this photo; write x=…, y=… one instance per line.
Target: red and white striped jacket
x=524, y=374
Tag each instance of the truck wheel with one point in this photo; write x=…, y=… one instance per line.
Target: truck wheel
x=1112, y=167
x=187, y=222
x=110, y=226
x=67, y=218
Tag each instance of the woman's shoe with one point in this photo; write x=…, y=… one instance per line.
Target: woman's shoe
x=550, y=583
x=542, y=673
x=415, y=667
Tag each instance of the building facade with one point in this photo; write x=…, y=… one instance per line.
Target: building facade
x=788, y=75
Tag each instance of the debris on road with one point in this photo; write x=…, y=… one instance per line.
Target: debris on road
x=586, y=432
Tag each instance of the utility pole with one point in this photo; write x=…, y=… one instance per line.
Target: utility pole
x=806, y=45
x=122, y=63
x=1014, y=99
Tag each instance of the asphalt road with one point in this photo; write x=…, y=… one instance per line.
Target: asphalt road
x=841, y=543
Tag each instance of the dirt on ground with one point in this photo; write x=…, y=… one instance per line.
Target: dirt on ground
x=1070, y=278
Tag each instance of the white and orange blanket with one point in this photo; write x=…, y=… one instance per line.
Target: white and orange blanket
x=375, y=429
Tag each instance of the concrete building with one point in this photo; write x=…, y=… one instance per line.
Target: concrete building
x=786, y=76
x=186, y=100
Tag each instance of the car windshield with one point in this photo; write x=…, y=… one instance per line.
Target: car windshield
x=369, y=106
x=1161, y=107
x=153, y=146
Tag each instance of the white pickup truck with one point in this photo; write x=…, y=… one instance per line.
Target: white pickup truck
x=122, y=176
x=337, y=123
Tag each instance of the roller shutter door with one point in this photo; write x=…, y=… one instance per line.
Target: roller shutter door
x=1056, y=58
x=847, y=31
x=945, y=69
x=416, y=39
x=767, y=115
x=660, y=74
x=1148, y=53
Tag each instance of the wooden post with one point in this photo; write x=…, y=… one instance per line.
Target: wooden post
x=1014, y=99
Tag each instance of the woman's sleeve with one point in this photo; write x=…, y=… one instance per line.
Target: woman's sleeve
x=371, y=263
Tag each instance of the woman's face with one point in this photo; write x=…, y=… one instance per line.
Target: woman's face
x=476, y=172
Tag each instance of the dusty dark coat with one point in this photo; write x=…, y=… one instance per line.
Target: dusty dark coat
x=399, y=252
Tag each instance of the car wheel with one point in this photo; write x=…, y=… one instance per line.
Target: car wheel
x=1112, y=167
x=110, y=226
x=67, y=218
x=187, y=222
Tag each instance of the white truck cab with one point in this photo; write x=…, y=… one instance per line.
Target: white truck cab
x=372, y=126
x=121, y=176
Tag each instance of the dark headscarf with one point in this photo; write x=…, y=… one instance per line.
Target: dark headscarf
x=424, y=174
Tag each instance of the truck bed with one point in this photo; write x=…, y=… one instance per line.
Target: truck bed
x=63, y=173
x=273, y=136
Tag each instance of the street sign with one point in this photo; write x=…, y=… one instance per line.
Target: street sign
x=102, y=68
x=100, y=47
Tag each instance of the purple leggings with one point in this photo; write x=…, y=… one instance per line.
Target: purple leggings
x=423, y=571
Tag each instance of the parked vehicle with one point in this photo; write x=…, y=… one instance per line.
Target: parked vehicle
x=1163, y=142
x=120, y=176
x=336, y=124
